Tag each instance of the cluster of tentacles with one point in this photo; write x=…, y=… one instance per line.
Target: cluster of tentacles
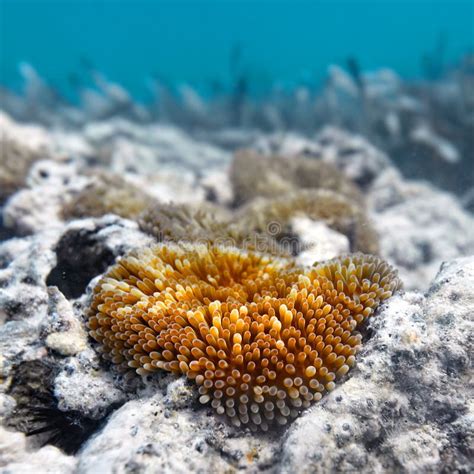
x=261, y=338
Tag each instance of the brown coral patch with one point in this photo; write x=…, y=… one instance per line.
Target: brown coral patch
x=206, y=224
x=108, y=193
x=261, y=338
x=182, y=222
x=16, y=160
x=254, y=175
x=335, y=210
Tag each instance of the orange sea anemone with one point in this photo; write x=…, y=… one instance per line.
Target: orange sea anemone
x=261, y=338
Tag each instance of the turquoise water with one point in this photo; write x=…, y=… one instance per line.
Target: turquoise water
x=194, y=41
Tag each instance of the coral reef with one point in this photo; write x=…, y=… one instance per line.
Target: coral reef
x=405, y=405
x=353, y=155
x=41, y=315
x=108, y=193
x=408, y=408
x=37, y=412
x=79, y=267
x=20, y=147
x=430, y=226
x=430, y=119
x=177, y=222
x=206, y=224
x=39, y=205
x=261, y=339
x=254, y=175
x=415, y=232
x=18, y=456
x=317, y=242
x=154, y=146
x=336, y=211
x=15, y=162
x=41, y=333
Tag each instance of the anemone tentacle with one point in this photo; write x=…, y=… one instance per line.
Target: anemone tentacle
x=261, y=338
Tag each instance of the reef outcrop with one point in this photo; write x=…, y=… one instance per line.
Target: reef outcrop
x=405, y=404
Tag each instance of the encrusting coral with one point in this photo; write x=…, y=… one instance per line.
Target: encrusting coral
x=261, y=338
x=254, y=175
x=108, y=193
x=177, y=222
x=206, y=224
x=15, y=162
x=334, y=209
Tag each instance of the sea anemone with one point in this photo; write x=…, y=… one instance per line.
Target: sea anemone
x=261, y=338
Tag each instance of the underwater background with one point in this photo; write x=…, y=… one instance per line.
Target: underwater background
x=236, y=236
x=401, y=73
x=201, y=42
